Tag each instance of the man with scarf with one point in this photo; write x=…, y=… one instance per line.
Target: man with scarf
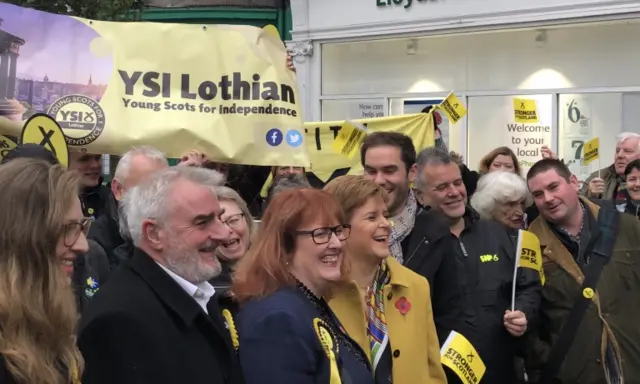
x=419, y=239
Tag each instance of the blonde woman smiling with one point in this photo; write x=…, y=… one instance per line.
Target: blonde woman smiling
x=43, y=231
x=387, y=310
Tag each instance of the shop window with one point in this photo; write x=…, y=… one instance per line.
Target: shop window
x=492, y=123
x=333, y=110
x=582, y=117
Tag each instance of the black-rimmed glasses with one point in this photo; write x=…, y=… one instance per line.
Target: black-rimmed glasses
x=234, y=221
x=73, y=230
x=323, y=235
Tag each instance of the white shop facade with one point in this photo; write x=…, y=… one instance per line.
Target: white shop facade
x=578, y=59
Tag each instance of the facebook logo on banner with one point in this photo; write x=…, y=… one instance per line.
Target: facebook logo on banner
x=274, y=137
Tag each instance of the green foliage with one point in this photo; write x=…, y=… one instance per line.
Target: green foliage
x=91, y=9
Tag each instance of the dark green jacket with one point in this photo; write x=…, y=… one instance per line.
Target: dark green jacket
x=614, y=312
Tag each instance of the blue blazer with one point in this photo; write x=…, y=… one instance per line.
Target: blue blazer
x=279, y=344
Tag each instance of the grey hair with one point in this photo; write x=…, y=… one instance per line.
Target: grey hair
x=624, y=136
x=151, y=153
x=227, y=194
x=496, y=188
x=431, y=156
x=150, y=199
x=290, y=181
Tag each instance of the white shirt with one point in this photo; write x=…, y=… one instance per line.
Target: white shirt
x=201, y=293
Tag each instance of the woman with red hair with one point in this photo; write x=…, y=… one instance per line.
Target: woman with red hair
x=287, y=332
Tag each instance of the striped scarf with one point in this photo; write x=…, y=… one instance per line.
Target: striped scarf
x=377, y=322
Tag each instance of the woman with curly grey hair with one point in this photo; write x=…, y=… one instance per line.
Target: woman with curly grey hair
x=502, y=196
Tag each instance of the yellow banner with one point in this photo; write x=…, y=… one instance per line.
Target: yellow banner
x=591, y=151
x=525, y=111
x=222, y=89
x=325, y=158
x=453, y=108
x=529, y=253
x=461, y=357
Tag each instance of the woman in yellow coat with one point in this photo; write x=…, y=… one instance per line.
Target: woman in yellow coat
x=387, y=308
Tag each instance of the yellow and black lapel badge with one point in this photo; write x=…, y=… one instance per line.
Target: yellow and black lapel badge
x=231, y=325
x=42, y=129
x=330, y=346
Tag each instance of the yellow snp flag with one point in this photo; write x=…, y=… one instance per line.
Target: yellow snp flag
x=591, y=150
x=461, y=357
x=453, y=108
x=525, y=111
x=349, y=139
x=529, y=254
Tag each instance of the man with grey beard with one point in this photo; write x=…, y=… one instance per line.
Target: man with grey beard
x=154, y=322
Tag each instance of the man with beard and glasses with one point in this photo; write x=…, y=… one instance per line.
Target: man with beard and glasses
x=154, y=322
x=487, y=320
x=419, y=238
x=574, y=233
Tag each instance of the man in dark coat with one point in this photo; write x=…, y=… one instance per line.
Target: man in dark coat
x=154, y=322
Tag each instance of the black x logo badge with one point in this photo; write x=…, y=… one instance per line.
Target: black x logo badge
x=46, y=139
x=522, y=106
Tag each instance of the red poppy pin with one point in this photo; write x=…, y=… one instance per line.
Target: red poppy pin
x=403, y=305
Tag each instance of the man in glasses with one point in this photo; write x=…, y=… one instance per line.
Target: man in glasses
x=90, y=269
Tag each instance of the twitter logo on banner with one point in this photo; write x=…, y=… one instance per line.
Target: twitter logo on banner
x=274, y=137
x=294, y=138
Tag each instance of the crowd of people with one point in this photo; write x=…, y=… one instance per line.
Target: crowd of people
x=166, y=275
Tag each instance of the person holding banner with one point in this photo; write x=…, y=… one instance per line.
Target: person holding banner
x=387, y=308
x=608, y=183
x=484, y=253
x=286, y=331
x=588, y=333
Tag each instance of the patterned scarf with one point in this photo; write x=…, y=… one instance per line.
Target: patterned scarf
x=402, y=226
x=377, y=322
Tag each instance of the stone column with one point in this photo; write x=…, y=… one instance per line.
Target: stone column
x=4, y=74
x=302, y=51
x=13, y=69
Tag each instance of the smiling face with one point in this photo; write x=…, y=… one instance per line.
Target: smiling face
x=318, y=255
x=444, y=189
x=556, y=198
x=633, y=184
x=73, y=241
x=88, y=166
x=239, y=233
x=626, y=152
x=370, y=229
x=385, y=167
x=192, y=232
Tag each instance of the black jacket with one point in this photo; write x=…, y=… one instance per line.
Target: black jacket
x=105, y=230
x=94, y=200
x=90, y=272
x=427, y=252
x=485, y=256
x=143, y=327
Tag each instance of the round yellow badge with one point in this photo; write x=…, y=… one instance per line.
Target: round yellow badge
x=587, y=293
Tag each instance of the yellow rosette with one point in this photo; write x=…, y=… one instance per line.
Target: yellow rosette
x=326, y=340
x=231, y=325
